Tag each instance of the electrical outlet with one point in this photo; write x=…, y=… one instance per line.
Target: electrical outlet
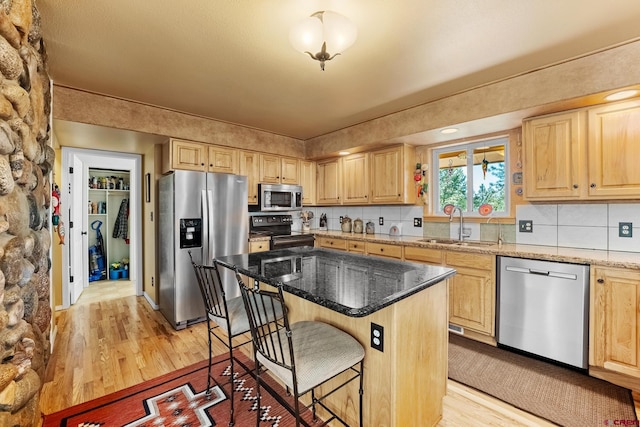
x=417, y=222
x=625, y=229
x=525, y=226
x=377, y=337
x=381, y=221
x=341, y=217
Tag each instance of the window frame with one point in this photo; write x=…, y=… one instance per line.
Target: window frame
x=469, y=147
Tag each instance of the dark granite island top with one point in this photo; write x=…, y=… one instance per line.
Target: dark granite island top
x=351, y=284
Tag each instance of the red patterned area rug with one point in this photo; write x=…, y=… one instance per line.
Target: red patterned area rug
x=178, y=399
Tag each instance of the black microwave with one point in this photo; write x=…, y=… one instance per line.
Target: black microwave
x=279, y=197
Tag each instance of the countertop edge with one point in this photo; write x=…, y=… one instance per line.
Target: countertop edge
x=629, y=260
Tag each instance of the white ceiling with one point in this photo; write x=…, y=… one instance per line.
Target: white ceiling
x=231, y=59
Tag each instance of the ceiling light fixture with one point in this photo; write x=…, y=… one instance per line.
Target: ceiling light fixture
x=621, y=95
x=449, y=130
x=328, y=31
x=343, y=153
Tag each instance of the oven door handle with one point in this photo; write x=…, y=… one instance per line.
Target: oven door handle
x=292, y=241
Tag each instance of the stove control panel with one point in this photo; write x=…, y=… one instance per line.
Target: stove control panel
x=271, y=220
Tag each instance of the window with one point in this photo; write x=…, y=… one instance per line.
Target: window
x=472, y=175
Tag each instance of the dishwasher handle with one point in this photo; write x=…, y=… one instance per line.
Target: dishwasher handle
x=542, y=273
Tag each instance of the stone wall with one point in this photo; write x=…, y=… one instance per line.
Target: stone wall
x=26, y=160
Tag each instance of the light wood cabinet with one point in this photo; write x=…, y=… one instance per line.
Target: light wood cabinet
x=358, y=246
x=260, y=246
x=614, y=150
x=290, y=171
x=250, y=167
x=187, y=155
x=270, y=169
x=586, y=154
x=425, y=255
x=331, y=243
x=391, y=175
x=222, y=159
x=278, y=170
x=472, y=291
x=384, y=250
x=308, y=182
x=553, y=157
x=355, y=178
x=615, y=320
x=329, y=174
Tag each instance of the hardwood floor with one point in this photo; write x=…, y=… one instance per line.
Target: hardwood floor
x=112, y=339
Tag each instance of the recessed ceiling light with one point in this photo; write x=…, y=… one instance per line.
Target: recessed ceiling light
x=621, y=95
x=343, y=153
x=449, y=130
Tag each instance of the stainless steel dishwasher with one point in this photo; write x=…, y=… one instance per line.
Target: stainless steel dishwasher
x=543, y=308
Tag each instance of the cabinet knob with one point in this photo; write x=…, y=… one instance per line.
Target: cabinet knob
x=600, y=280
x=201, y=164
x=593, y=185
x=381, y=250
x=575, y=185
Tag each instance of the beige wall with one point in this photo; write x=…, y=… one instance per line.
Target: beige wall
x=83, y=107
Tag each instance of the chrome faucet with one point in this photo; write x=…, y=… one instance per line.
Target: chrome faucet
x=453, y=211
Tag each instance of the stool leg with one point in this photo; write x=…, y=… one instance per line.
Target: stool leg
x=233, y=384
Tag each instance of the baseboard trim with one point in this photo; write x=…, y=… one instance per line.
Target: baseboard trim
x=151, y=302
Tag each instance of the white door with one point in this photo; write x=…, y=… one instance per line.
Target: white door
x=74, y=199
x=78, y=233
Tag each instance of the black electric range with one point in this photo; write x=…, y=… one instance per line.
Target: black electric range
x=278, y=228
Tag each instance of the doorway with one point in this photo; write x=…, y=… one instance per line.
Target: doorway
x=76, y=164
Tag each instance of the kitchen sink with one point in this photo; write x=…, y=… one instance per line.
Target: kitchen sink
x=458, y=242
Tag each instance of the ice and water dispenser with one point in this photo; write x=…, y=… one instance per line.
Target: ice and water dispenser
x=190, y=233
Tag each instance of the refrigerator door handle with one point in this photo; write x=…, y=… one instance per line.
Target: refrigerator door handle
x=209, y=245
x=205, y=225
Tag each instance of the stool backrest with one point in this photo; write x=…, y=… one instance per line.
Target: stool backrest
x=271, y=339
x=211, y=289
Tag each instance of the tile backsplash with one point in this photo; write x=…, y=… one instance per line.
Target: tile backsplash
x=586, y=226
x=392, y=215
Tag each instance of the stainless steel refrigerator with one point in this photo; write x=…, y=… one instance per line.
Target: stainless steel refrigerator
x=205, y=213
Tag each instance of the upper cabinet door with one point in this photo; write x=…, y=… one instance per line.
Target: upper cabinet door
x=270, y=169
x=290, y=171
x=223, y=159
x=355, y=177
x=328, y=182
x=250, y=167
x=187, y=155
x=308, y=182
x=553, y=157
x=614, y=151
x=391, y=174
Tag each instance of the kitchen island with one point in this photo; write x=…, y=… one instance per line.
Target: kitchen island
x=404, y=381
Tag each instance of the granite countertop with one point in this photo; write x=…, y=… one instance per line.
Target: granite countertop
x=351, y=284
x=548, y=253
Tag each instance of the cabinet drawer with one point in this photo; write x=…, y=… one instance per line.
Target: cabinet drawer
x=432, y=256
x=329, y=243
x=258, y=246
x=380, y=249
x=465, y=259
x=356, y=246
